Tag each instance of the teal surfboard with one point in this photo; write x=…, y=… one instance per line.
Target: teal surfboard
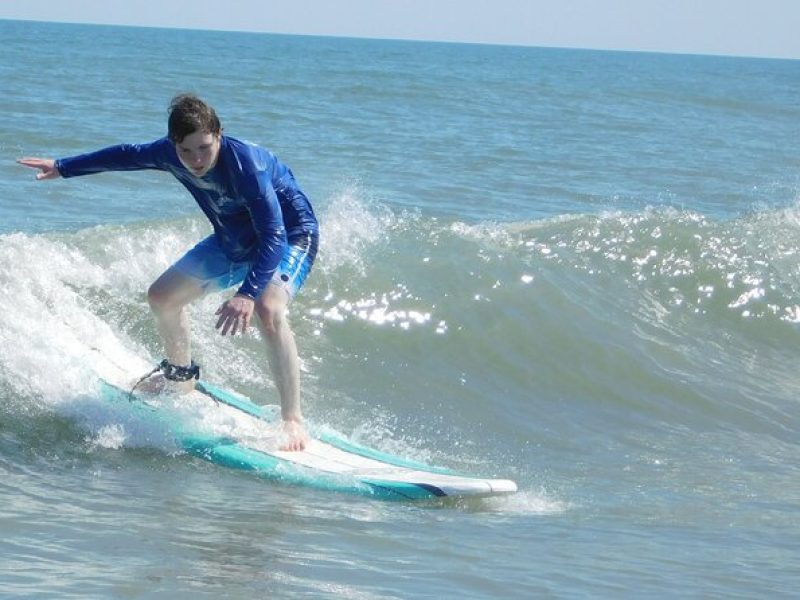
x=330, y=462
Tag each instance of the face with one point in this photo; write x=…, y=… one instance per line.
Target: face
x=198, y=152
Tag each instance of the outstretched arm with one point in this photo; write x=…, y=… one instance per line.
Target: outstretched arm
x=122, y=157
x=46, y=166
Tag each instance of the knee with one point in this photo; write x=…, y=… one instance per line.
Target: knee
x=272, y=317
x=160, y=300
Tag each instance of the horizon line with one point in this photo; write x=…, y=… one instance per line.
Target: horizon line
x=403, y=39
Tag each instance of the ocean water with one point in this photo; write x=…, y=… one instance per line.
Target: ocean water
x=575, y=269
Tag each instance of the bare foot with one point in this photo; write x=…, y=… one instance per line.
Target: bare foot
x=152, y=385
x=294, y=437
x=158, y=384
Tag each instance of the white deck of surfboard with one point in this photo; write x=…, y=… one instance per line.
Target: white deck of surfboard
x=325, y=457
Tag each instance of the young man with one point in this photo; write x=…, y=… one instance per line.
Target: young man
x=265, y=240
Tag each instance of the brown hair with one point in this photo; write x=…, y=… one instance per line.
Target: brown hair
x=187, y=114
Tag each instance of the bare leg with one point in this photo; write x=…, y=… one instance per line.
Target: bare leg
x=168, y=298
x=283, y=360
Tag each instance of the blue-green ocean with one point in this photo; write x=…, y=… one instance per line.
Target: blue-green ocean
x=576, y=269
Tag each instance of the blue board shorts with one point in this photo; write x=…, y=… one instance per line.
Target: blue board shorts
x=208, y=263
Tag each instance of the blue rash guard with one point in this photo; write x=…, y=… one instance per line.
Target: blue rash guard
x=250, y=197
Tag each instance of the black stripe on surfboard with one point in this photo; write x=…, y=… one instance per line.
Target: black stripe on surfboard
x=432, y=489
x=425, y=486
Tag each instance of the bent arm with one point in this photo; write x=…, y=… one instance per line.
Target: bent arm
x=265, y=211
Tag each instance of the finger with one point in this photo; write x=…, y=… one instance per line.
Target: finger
x=230, y=326
x=226, y=325
x=35, y=163
x=224, y=322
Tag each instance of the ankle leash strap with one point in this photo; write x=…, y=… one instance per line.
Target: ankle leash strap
x=171, y=372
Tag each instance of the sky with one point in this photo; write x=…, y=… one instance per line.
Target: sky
x=764, y=28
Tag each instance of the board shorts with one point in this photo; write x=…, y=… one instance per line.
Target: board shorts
x=207, y=263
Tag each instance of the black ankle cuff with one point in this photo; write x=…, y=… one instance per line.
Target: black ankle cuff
x=178, y=373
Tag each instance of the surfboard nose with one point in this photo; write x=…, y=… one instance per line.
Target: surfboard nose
x=502, y=486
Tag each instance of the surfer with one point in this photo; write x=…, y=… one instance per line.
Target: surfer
x=265, y=240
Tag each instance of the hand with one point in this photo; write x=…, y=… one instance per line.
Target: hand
x=46, y=166
x=235, y=315
x=293, y=437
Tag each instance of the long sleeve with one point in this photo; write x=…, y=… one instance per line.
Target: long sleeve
x=265, y=212
x=123, y=157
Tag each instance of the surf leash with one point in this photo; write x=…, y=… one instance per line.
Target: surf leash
x=171, y=372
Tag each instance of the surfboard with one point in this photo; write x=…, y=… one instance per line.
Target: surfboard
x=249, y=440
